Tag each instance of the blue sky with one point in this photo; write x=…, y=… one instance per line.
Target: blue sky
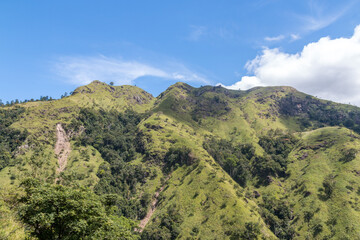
x=51, y=47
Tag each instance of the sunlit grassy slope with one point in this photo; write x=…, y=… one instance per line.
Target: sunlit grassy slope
x=40, y=119
x=252, y=114
x=210, y=202
x=37, y=153
x=318, y=158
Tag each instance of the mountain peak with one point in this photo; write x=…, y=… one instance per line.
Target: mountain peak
x=181, y=85
x=93, y=87
x=107, y=95
x=177, y=88
x=97, y=82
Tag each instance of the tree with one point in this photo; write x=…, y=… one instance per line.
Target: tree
x=58, y=212
x=65, y=95
x=178, y=156
x=111, y=83
x=348, y=155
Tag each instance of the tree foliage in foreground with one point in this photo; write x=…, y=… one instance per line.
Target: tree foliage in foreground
x=58, y=212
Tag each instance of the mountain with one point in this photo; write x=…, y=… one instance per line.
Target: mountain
x=192, y=163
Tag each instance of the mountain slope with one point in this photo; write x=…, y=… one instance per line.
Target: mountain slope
x=323, y=183
x=245, y=117
x=211, y=163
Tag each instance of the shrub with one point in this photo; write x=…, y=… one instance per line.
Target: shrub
x=178, y=156
x=329, y=186
x=348, y=155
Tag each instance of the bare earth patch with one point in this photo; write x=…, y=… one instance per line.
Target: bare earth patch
x=62, y=148
x=152, y=209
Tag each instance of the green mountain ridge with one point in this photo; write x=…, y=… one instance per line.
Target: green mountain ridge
x=192, y=163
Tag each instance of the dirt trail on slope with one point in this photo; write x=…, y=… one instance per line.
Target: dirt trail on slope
x=62, y=148
x=151, y=211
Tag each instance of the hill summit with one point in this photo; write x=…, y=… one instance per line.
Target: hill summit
x=114, y=162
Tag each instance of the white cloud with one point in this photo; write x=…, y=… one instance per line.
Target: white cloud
x=321, y=16
x=83, y=70
x=295, y=37
x=246, y=82
x=328, y=68
x=312, y=23
x=274, y=39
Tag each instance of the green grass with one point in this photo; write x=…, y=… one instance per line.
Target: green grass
x=307, y=176
x=10, y=227
x=208, y=199
x=40, y=118
x=206, y=195
x=252, y=116
x=83, y=164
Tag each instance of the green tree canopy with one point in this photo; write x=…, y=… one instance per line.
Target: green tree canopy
x=58, y=212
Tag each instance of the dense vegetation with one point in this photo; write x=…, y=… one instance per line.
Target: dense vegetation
x=59, y=212
x=176, y=157
x=278, y=215
x=166, y=226
x=277, y=146
x=235, y=159
x=310, y=109
x=10, y=139
x=240, y=161
x=114, y=135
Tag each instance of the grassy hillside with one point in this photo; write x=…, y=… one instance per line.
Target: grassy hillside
x=210, y=203
x=323, y=184
x=244, y=118
x=193, y=163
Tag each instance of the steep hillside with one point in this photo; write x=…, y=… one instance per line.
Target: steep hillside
x=258, y=117
x=193, y=163
x=210, y=203
x=323, y=184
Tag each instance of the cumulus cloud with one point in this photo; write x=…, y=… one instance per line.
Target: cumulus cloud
x=328, y=68
x=83, y=70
